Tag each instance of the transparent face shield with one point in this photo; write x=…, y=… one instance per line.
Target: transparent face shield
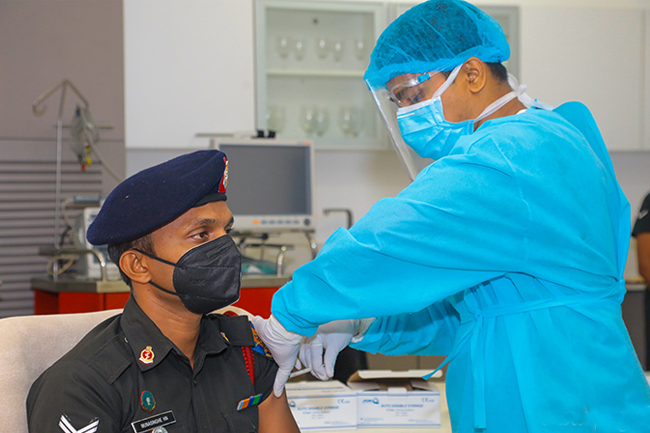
x=412, y=162
x=410, y=92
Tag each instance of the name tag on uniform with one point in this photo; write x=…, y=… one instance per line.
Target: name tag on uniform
x=148, y=424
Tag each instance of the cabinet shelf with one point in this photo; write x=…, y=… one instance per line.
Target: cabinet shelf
x=315, y=73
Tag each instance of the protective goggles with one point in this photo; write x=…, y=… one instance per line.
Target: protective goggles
x=410, y=91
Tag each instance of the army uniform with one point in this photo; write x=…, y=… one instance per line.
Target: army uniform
x=126, y=376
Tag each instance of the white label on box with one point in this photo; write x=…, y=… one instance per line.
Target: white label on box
x=322, y=405
x=313, y=413
x=381, y=409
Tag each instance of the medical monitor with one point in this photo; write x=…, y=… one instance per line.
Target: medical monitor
x=270, y=184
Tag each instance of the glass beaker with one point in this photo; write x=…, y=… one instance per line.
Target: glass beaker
x=299, y=49
x=322, y=121
x=283, y=46
x=337, y=50
x=322, y=47
x=308, y=119
x=275, y=118
x=349, y=121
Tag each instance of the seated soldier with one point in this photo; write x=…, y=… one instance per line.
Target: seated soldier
x=165, y=364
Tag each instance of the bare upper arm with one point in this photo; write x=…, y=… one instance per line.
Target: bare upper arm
x=276, y=416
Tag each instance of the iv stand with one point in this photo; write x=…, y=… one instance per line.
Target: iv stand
x=38, y=108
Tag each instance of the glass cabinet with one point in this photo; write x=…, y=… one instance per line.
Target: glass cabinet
x=311, y=57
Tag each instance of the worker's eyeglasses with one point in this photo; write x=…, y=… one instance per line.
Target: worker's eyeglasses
x=410, y=91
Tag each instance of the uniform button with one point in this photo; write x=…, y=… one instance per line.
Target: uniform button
x=126, y=341
x=194, y=381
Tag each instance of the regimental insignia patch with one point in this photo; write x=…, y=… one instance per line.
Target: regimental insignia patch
x=250, y=401
x=147, y=402
x=224, y=178
x=146, y=356
x=259, y=344
x=66, y=426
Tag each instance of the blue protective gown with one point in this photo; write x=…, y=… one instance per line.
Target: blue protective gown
x=507, y=256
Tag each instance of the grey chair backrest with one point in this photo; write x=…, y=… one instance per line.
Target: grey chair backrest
x=28, y=346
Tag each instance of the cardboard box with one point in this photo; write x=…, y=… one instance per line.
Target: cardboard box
x=396, y=398
x=322, y=405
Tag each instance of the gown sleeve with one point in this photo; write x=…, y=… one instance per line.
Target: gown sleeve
x=427, y=332
x=460, y=223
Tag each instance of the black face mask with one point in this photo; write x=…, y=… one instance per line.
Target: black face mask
x=207, y=277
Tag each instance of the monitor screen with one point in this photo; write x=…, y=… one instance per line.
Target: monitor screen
x=270, y=184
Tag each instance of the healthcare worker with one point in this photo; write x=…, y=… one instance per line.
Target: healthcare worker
x=506, y=254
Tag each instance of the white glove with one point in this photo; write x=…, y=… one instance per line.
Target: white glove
x=284, y=346
x=331, y=337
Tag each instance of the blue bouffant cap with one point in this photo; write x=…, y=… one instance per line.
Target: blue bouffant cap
x=436, y=35
x=158, y=195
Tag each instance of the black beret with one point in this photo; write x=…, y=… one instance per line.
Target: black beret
x=158, y=195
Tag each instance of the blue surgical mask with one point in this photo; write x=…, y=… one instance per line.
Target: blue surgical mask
x=423, y=126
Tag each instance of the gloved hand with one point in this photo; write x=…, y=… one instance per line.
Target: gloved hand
x=332, y=338
x=284, y=346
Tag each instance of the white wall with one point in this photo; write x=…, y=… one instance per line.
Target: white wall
x=595, y=56
x=189, y=68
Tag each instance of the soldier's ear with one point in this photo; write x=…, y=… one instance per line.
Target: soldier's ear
x=135, y=265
